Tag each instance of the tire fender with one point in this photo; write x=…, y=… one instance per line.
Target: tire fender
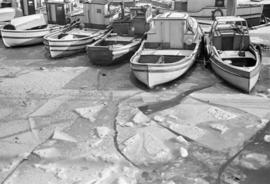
x=218, y=10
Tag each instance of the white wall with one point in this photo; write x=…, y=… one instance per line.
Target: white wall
x=168, y=31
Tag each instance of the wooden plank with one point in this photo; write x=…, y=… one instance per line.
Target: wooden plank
x=120, y=38
x=166, y=52
x=234, y=54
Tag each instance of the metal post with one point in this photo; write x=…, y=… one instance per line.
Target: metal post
x=231, y=7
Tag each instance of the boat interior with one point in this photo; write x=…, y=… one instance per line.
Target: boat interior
x=163, y=56
x=136, y=23
x=39, y=27
x=167, y=45
x=12, y=27
x=77, y=34
x=116, y=40
x=233, y=45
x=158, y=59
x=233, y=58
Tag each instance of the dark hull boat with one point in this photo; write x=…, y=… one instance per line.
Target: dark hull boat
x=112, y=48
x=124, y=40
x=232, y=56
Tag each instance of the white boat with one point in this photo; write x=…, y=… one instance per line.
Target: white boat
x=13, y=38
x=72, y=42
x=28, y=22
x=171, y=48
x=6, y=14
x=265, y=3
x=209, y=9
x=259, y=35
x=231, y=54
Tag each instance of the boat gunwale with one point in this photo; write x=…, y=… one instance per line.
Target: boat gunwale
x=48, y=28
x=49, y=36
x=186, y=58
x=236, y=70
x=127, y=46
x=150, y=69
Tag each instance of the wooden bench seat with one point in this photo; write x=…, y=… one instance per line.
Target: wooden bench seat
x=167, y=52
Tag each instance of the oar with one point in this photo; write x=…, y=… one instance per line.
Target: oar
x=68, y=28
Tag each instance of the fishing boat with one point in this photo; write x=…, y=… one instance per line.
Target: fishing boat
x=209, y=9
x=27, y=30
x=171, y=48
x=231, y=54
x=125, y=39
x=72, y=40
x=259, y=35
x=265, y=3
x=64, y=43
x=6, y=14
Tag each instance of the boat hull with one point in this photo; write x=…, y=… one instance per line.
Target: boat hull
x=13, y=38
x=154, y=73
x=253, y=18
x=243, y=80
x=60, y=48
x=6, y=14
x=152, y=76
x=106, y=55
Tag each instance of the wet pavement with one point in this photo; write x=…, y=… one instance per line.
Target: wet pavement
x=68, y=121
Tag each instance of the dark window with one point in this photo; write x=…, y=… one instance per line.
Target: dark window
x=98, y=10
x=219, y=3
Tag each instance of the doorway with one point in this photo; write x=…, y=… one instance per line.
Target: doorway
x=220, y=3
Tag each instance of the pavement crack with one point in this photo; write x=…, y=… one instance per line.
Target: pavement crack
x=98, y=79
x=115, y=136
x=219, y=105
x=176, y=133
x=25, y=158
x=116, y=144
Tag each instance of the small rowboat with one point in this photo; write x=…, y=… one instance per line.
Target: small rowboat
x=164, y=57
x=27, y=30
x=231, y=54
x=112, y=48
x=73, y=41
x=6, y=14
x=13, y=38
x=126, y=38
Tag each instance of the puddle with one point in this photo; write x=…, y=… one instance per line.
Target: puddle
x=159, y=106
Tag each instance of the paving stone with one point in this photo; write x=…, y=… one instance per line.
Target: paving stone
x=140, y=118
x=159, y=118
x=90, y=113
x=183, y=152
x=267, y=138
x=59, y=135
x=181, y=139
x=220, y=127
x=51, y=153
x=102, y=131
x=51, y=106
